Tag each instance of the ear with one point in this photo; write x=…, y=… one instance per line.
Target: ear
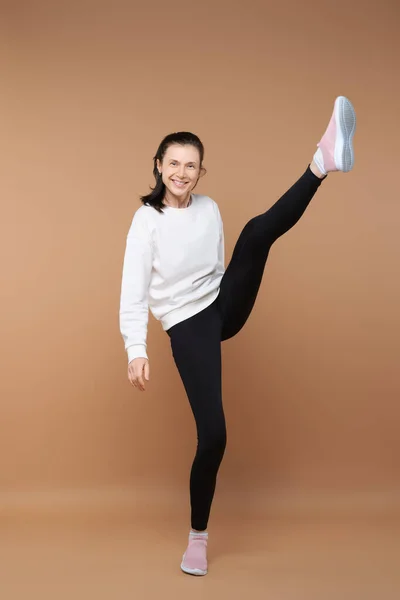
x=203, y=171
x=158, y=164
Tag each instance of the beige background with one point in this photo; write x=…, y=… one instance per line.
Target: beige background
x=94, y=475
x=311, y=385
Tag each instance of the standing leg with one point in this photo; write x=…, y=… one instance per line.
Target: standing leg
x=242, y=279
x=196, y=348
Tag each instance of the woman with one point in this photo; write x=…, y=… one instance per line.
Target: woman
x=174, y=265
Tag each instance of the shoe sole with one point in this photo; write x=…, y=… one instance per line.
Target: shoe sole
x=345, y=117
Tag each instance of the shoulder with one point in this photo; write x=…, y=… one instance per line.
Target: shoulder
x=206, y=201
x=143, y=213
x=202, y=198
x=144, y=216
x=141, y=223
x=212, y=206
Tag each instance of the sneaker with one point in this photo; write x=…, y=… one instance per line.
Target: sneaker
x=335, y=150
x=194, y=561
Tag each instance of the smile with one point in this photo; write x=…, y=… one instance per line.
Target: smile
x=179, y=183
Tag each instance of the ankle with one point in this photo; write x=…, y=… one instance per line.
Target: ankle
x=198, y=532
x=314, y=169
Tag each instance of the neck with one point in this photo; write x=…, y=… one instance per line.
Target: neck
x=176, y=202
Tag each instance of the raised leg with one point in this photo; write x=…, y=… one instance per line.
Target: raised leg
x=242, y=279
x=243, y=276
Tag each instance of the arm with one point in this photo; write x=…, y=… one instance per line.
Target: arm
x=134, y=306
x=221, y=247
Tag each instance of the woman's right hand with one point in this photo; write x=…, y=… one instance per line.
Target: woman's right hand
x=138, y=371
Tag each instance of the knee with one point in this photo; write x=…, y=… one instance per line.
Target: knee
x=258, y=235
x=213, y=444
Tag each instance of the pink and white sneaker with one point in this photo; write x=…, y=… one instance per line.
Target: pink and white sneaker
x=194, y=561
x=335, y=150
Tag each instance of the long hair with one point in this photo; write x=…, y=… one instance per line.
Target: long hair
x=156, y=196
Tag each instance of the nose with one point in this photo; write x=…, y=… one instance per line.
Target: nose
x=181, y=172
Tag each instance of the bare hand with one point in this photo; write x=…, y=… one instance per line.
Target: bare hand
x=138, y=371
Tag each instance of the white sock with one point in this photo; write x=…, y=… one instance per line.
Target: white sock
x=319, y=161
x=201, y=534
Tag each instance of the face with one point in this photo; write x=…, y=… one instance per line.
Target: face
x=180, y=169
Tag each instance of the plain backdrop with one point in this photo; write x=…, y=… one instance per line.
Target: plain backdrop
x=311, y=384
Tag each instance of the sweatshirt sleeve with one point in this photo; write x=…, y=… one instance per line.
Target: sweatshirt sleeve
x=221, y=246
x=136, y=273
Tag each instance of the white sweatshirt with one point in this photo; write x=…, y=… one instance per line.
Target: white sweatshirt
x=173, y=265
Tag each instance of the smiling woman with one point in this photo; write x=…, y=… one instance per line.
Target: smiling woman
x=178, y=166
x=174, y=265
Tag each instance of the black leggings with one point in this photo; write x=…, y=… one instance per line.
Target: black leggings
x=196, y=342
